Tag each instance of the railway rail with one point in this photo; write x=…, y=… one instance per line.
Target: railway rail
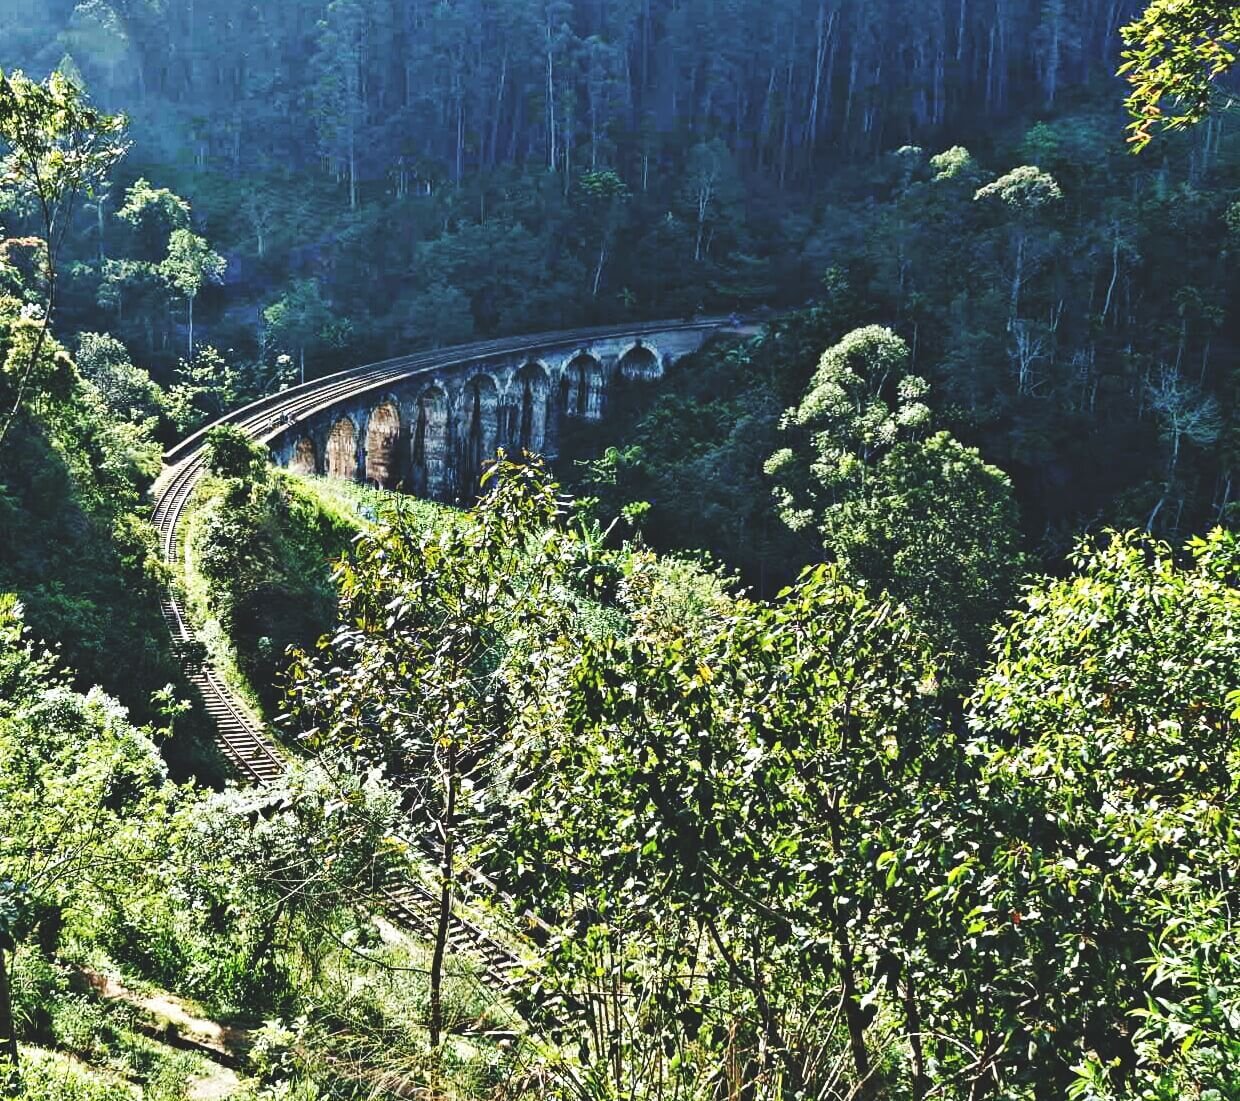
x=240, y=736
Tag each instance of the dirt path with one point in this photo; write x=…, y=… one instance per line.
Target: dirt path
x=221, y=1083
x=177, y=1019
x=172, y=1021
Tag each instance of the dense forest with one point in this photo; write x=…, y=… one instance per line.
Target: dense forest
x=350, y=180
x=851, y=714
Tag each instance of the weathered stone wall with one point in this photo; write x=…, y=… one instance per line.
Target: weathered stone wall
x=434, y=432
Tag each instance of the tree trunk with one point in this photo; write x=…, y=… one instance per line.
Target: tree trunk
x=853, y=1016
x=787, y=128
x=550, y=102
x=770, y=1026
x=1106, y=306
x=706, y=192
x=598, y=267
x=460, y=139
x=8, y=1030
x=912, y=1022
x=990, y=73
x=1018, y=277
x=499, y=107
x=267, y=941
x=1054, y=12
x=352, y=169
x=445, y=904
x=825, y=33
x=41, y=339
x=191, y=327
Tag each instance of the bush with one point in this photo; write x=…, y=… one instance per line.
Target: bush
x=230, y=453
x=48, y=1077
x=38, y=986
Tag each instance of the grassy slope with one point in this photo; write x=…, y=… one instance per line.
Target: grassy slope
x=308, y=525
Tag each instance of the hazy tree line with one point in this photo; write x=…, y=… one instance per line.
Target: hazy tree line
x=427, y=170
x=409, y=94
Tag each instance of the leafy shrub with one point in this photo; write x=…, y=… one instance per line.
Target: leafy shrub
x=80, y=1025
x=48, y=1077
x=38, y=986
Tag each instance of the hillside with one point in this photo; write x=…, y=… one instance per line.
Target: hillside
x=849, y=711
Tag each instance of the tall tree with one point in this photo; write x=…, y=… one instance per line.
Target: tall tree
x=56, y=145
x=606, y=196
x=298, y=320
x=340, y=90
x=912, y=513
x=710, y=185
x=154, y=214
x=415, y=677
x=189, y=266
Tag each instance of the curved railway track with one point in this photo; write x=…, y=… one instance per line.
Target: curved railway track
x=239, y=734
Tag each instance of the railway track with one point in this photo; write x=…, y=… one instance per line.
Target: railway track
x=239, y=734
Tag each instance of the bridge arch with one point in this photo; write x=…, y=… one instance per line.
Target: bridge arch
x=510, y=416
x=383, y=445
x=342, y=450
x=534, y=407
x=640, y=362
x=582, y=387
x=478, y=429
x=429, y=444
x=305, y=458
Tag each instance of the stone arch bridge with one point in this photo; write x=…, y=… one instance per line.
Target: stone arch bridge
x=431, y=429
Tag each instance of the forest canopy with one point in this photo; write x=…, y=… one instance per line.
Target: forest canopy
x=846, y=710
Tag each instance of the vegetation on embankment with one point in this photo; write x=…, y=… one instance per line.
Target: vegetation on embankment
x=753, y=810
x=253, y=904
x=73, y=542
x=77, y=548
x=261, y=549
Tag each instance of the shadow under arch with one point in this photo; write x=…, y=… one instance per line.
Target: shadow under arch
x=342, y=450
x=582, y=387
x=429, y=443
x=534, y=409
x=305, y=459
x=478, y=430
x=640, y=363
x=383, y=446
